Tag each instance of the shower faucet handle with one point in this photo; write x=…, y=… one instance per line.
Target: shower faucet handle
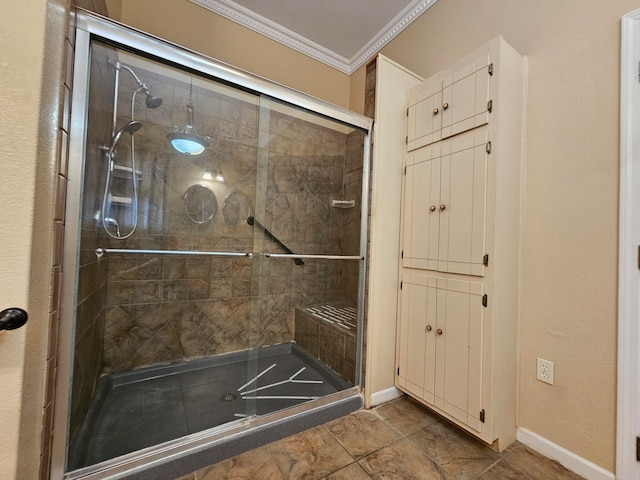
x=12, y=318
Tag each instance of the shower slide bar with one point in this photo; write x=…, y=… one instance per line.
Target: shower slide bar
x=101, y=251
x=320, y=257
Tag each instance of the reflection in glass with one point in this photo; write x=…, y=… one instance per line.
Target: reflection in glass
x=200, y=203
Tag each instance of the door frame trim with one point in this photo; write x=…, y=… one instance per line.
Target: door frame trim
x=628, y=409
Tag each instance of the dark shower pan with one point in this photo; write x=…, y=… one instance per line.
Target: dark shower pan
x=135, y=410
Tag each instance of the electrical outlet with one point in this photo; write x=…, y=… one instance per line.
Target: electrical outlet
x=544, y=370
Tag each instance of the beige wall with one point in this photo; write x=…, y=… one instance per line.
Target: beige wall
x=185, y=23
x=569, y=261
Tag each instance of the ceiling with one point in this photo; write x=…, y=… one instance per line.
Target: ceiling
x=341, y=33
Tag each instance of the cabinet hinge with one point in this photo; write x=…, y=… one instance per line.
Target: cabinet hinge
x=406, y=140
x=407, y=111
x=484, y=300
x=398, y=370
x=405, y=170
x=400, y=285
x=637, y=449
x=491, y=69
x=490, y=106
x=488, y=147
x=485, y=260
x=402, y=256
x=482, y=415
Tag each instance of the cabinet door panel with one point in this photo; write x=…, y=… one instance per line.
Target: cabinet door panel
x=463, y=194
x=461, y=342
x=425, y=121
x=430, y=349
x=412, y=337
x=466, y=94
x=421, y=224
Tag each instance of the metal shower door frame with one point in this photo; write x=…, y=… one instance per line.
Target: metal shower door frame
x=88, y=27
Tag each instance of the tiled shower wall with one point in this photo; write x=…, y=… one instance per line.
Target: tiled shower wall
x=92, y=275
x=161, y=309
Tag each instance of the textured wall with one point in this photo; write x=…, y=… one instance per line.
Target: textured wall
x=185, y=23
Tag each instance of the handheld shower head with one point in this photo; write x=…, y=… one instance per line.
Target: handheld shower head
x=130, y=128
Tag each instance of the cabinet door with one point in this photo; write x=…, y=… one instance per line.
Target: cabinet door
x=462, y=207
x=424, y=114
x=465, y=98
x=421, y=221
x=416, y=369
x=458, y=381
x=445, y=205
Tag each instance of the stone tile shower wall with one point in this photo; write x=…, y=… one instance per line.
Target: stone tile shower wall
x=92, y=275
x=162, y=309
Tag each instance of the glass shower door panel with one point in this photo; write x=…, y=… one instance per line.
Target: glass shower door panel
x=164, y=311
x=307, y=241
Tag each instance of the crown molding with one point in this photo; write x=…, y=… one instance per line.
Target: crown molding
x=245, y=17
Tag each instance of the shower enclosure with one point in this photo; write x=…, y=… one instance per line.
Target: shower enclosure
x=214, y=256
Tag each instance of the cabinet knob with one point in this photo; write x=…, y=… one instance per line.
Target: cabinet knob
x=442, y=206
x=428, y=328
x=432, y=208
x=445, y=106
x=439, y=331
x=435, y=111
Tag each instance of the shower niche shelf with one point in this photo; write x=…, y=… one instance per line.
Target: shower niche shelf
x=121, y=171
x=120, y=200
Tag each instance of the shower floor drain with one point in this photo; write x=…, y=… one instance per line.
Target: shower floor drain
x=228, y=397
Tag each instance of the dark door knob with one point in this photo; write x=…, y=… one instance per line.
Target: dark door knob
x=12, y=318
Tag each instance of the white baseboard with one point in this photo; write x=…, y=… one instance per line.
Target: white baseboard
x=385, y=395
x=570, y=460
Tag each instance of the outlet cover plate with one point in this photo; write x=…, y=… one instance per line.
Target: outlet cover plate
x=544, y=370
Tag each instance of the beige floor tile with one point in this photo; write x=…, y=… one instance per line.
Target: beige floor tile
x=256, y=464
x=350, y=472
x=310, y=455
x=402, y=460
x=406, y=414
x=537, y=466
x=504, y=471
x=362, y=432
x=460, y=456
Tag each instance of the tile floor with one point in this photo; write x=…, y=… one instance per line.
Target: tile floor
x=397, y=440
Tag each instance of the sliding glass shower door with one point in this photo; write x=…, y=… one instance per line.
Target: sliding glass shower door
x=308, y=256
x=214, y=255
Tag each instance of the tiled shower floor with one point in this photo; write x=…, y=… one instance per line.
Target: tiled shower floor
x=149, y=406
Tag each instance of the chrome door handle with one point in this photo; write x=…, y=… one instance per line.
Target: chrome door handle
x=12, y=318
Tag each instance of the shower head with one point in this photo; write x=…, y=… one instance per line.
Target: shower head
x=130, y=128
x=151, y=101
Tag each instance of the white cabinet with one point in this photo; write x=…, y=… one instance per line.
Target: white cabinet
x=444, y=205
x=446, y=105
x=460, y=235
x=440, y=339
